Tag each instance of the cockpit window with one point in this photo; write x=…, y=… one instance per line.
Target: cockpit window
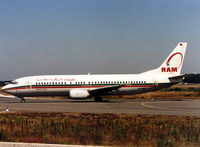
x=10, y=82
x=14, y=82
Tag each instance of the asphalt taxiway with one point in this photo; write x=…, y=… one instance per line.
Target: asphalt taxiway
x=128, y=106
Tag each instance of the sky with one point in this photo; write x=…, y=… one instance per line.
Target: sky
x=40, y=37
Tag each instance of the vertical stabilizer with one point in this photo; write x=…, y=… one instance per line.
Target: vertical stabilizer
x=173, y=64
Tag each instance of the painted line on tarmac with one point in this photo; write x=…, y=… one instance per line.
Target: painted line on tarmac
x=161, y=108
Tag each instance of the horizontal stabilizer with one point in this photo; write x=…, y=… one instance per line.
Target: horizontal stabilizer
x=180, y=78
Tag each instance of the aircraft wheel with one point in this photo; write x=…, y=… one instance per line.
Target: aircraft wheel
x=22, y=100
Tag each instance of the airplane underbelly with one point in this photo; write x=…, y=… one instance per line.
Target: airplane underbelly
x=43, y=92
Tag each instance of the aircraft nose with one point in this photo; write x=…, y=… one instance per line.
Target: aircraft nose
x=4, y=88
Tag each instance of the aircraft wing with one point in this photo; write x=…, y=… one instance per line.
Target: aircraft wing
x=180, y=78
x=104, y=90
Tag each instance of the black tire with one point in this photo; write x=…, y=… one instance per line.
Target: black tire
x=98, y=99
x=22, y=100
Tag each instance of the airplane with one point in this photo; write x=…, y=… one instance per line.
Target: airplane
x=89, y=85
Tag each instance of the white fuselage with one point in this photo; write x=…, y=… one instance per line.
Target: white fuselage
x=60, y=85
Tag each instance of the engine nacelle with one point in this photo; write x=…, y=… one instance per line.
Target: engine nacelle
x=78, y=93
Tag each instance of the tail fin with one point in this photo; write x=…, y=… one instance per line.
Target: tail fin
x=173, y=64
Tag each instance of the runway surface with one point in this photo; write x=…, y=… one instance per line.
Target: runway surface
x=136, y=106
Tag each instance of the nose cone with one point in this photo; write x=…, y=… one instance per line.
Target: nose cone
x=4, y=88
x=8, y=89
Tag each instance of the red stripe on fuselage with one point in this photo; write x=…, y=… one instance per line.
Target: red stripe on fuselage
x=54, y=87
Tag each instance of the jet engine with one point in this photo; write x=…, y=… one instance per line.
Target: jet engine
x=78, y=93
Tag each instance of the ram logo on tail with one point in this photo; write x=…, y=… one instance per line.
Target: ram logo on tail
x=169, y=69
x=175, y=65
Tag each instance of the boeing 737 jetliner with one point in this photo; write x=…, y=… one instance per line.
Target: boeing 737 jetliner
x=85, y=86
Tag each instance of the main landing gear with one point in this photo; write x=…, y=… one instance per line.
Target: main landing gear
x=98, y=99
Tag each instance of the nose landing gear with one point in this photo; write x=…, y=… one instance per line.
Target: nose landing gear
x=22, y=100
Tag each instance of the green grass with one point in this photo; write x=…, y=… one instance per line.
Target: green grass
x=100, y=129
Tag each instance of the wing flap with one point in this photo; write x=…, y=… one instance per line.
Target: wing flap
x=103, y=90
